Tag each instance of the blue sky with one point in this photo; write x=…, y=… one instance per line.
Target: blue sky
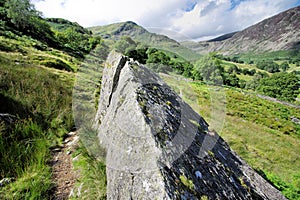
x=179, y=19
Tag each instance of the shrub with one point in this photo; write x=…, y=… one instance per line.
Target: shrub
x=284, y=86
x=57, y=64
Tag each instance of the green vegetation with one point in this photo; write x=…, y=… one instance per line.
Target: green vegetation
x=269, y=66
x=215, y=69
x=209, y=69
x=42, y=102
x=24, y=153
x=186, y=182
x=114, y=32
x=283, y=86
x=292, y=56
x=158, y=60
x=93, y=176
x=22, y=18
x=72, y=37
x=37, y=59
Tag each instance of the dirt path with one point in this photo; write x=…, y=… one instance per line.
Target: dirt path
x=63, y=174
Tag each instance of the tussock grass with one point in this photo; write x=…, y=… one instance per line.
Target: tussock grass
x=40, y=98
x=36, y=85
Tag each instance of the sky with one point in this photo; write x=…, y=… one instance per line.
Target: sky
x=179, y=19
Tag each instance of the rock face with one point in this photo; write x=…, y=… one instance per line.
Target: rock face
x=159, y=148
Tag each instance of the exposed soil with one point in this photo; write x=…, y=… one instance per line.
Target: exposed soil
x=63, y=174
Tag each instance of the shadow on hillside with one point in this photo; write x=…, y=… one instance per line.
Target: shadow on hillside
x=13, y=107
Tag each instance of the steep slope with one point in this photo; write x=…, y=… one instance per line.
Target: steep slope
x=280, y=32
x=140, y=34
x=223, y=37
x=37, y=74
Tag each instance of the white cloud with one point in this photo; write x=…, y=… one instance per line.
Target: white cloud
x=216, y=17
x=99, y=12
x=192, y=18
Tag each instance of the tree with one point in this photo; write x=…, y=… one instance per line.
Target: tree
x=253, y=84
x=233, y=69
x=158, y=57
x=284, y=86
x=21, y=13
x=231, y=80
x=245, y=71
x=22, y=16
x=284, y=66
x=269, y=66
x=209, y=68
x=252, y=72
x=138, y=54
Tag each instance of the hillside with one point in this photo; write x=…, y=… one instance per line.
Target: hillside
x=116, y=31
x=50, y=78
x=257, y=129
x=39, y=65
x=223, y=37
x=280, y=32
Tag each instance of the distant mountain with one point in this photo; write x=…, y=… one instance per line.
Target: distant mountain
x=140, y=34
x=280, y=32
x=131, y=29
x=223, y=37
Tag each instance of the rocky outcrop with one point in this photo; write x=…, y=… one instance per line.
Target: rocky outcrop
x=159, y=148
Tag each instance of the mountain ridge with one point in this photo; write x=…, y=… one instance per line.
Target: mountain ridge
x=223, y=37
x=138, y=33
x=279, y=32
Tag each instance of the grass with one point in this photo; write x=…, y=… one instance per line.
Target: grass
x=277, y=55
x=41, y=93
x=24, y=155
x=92, y=183
x=36, y=84
x=39, y=86
x=227, y=64
x=40, y=98
x=260, y=131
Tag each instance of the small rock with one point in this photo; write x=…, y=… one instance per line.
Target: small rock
x=75, y=158
x=55, y=159
x=67, y=140
x=295, y=120
x=57, y=150
x=76, y=138
x=6, y=181
x=72, y=193
x=71, y=133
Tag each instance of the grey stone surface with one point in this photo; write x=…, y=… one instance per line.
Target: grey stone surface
x=159, y=148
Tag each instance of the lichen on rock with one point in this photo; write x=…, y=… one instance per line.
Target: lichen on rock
x=159, y=148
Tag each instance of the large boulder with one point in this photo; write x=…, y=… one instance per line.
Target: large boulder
x=159, y=148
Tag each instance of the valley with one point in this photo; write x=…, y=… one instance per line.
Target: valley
x=50, y=83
